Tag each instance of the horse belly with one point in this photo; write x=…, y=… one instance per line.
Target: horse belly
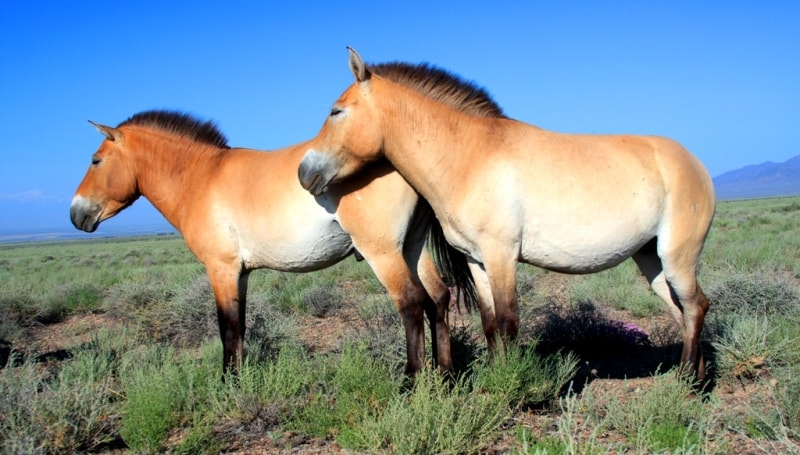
x=297, y=248
x=579, y=244
x=578, y=258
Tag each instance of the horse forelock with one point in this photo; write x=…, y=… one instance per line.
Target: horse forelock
x=180, y=123
x=440, y=85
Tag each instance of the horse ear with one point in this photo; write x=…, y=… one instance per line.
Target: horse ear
x=112, y=134
x=357, y=66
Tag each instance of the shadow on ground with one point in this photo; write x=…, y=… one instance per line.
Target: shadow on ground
x=606, y=348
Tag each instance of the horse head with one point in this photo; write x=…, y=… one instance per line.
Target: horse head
x=350, y=137
x=109, y=185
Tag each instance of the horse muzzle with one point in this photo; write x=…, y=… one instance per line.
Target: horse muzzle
x=315, y=172
x=85, y=215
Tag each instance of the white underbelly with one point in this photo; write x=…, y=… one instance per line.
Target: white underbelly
x=577, y=259
x=587, y=246
x=303, y=248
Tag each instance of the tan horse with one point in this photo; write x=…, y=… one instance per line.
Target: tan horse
x=239, y=210
x=505, y=191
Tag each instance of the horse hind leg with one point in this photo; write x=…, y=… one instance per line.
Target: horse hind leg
x=425, y=243
x=409, y=296
x=436, y=308
x=676, y=284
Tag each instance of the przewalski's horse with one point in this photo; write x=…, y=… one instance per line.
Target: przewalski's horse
x=239, y=210
x=505, y=191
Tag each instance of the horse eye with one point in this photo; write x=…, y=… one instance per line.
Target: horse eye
x=335, y=111
x=95, y=161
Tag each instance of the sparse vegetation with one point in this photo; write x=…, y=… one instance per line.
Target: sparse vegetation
x=113, y=345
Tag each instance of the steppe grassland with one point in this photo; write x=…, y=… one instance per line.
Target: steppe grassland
x=148, y=379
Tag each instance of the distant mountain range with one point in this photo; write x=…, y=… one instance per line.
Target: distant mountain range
x=760, y=180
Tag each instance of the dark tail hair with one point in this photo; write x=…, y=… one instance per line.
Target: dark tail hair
x=452, y=265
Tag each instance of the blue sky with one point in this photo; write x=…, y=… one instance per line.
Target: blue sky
x=720, y=77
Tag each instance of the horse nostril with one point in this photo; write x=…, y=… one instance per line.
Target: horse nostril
x=314, y=187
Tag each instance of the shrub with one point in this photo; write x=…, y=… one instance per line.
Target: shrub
x=357, y=388
x=74, y=410
x=433, y=417
x=381, y=329
x=69, y=299
x=270, y=390
x=756, y=293
x=523, y=376
x=319, y=300
x=743, y=347
x=658, y=418
x=788, y=396
x=162, y=389
x=754, y=325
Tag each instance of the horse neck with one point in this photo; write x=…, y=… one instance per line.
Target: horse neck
x=425, y=142
x=167, y=168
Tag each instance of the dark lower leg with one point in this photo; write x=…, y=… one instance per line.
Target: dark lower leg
x=415, y=339
x=692, y=360
x=440, y=331
x=230, y=331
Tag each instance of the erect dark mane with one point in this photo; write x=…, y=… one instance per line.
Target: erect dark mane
x=180, y=123
x=440, y=85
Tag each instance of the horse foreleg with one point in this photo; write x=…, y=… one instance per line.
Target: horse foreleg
x=488, y=318
x=503, y=282
x=497, y=293
x=230, y=293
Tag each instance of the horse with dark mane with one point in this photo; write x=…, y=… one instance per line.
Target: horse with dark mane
x=240, y=210
x=509, y=192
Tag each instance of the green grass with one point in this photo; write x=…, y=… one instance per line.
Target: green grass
x=73, y=409
x=659, y=418
x=151, y=383
x=622, y=288
x=433, y=417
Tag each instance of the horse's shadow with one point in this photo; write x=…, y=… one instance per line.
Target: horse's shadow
x=605, y=348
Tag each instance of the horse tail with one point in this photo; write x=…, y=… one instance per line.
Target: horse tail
x=453, y=266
